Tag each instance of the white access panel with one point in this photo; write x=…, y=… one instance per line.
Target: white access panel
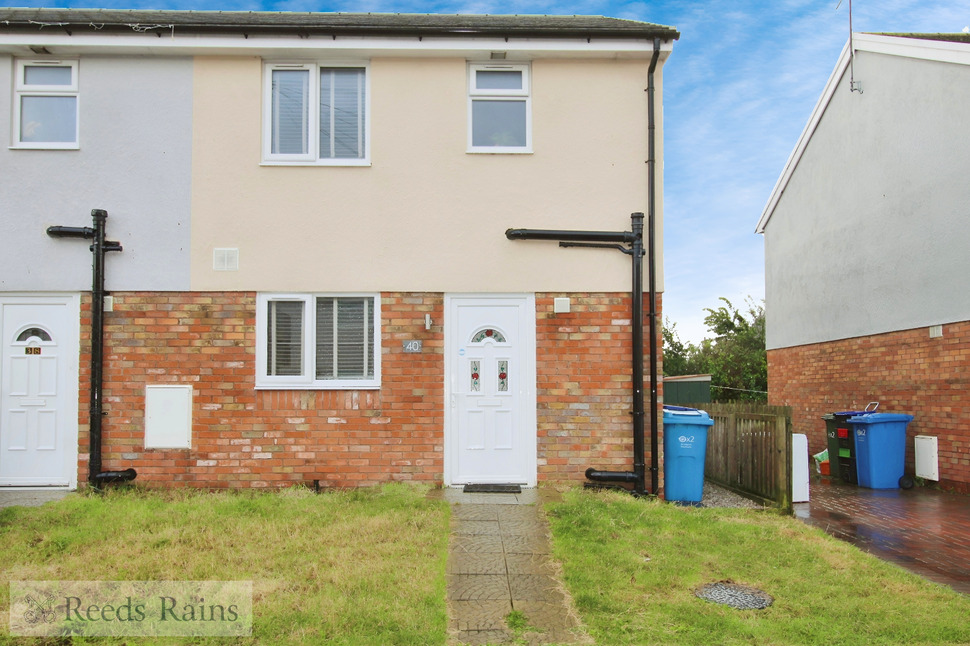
x=168, y=417
x=927, y=457
x=799, y=468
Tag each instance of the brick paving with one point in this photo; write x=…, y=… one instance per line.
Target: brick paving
x=499, y=561
x=923, y=530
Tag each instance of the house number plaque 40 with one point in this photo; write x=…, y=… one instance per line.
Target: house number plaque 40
x=412, y=347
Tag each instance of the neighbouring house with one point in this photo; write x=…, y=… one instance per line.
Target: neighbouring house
x=314, y=282
x=866, y=241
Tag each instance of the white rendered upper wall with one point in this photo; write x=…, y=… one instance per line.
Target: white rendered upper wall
x=133, y=160
x=868, y=234
x=424, y=214
x=170, y=145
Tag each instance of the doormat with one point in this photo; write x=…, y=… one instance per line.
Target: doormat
x=492, y=488
x=737, y=596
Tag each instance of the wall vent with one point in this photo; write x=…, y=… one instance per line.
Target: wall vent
x=225, y=259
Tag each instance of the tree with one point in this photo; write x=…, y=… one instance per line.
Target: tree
x=735, y=358
x=679, y=358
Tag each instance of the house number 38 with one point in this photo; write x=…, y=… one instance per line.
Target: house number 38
x=31, y=350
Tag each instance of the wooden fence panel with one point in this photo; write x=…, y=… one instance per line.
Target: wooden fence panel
x=749, y=450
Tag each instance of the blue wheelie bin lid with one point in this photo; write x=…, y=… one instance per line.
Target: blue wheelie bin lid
x=880, y=418
x=684, y=415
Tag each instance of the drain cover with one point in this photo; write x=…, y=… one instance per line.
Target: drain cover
x=737, y=596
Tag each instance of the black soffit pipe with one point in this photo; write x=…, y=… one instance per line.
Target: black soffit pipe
x=616, y=240
x=98, y=248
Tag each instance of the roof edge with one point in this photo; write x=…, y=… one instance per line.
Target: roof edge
x=908, y=45
x=338, y=23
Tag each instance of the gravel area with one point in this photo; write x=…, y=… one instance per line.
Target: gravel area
x=716, y=496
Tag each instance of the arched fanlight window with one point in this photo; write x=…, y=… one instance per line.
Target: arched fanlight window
x=40, y=333
x=488, y=333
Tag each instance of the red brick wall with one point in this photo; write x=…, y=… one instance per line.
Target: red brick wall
x=248, y=438
x=242, y=437
x=907, y=372
x=584, y=375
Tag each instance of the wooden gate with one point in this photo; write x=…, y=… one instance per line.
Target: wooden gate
x=749, y=450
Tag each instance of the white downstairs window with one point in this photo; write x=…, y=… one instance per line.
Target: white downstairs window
x=318, y=341
x=45, y=104
x=315, y=114
x=499, y=109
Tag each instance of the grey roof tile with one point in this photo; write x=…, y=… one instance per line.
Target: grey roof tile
x=383, y=24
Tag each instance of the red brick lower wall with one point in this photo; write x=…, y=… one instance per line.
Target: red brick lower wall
x=243, y=437
x=584, y=375
x=906, y=372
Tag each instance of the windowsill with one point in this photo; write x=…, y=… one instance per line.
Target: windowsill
x=44, y=147
x=499, y=151
x=351, y=163
x=321, y=387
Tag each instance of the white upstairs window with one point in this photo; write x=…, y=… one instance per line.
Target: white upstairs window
x=318, y=341
x=315, y=114
x=499, y=109
x=46, y=104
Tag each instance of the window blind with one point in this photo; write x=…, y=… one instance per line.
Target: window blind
x=342, y=112
x=284, y=351
x=345, y=332
x=291, y=110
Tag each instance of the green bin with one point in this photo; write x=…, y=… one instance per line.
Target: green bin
x=841, y=443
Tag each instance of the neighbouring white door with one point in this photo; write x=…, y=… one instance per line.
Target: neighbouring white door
x=38, y=391
x=490, y=383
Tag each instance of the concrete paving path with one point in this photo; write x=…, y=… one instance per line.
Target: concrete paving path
x=498, y=562
x=30, y=497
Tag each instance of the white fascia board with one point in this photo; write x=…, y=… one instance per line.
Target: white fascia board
x=931, y=50
x=162, y=44
x=804, y=138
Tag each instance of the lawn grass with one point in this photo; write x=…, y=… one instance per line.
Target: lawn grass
x=349, y=567
x=632, y=567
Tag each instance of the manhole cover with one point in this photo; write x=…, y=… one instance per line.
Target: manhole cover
x=737, y=596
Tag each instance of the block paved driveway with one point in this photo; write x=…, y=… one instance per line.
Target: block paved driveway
x=924, y=530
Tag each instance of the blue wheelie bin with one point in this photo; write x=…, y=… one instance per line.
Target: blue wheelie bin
x=880, y=448
x=685, y=448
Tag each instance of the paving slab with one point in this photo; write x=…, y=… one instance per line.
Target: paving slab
x=499, y=561
x=30, y=497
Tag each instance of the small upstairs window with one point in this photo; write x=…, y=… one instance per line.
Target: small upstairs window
x=499, y=109
x=315, y=114
x=45, y=104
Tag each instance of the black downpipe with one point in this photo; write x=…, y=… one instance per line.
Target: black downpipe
x=613, y=240
x=634, y=239
x=651, y=246
x=96, y=411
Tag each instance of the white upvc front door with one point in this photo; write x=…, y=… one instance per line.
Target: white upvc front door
x=39, y=390
x=490, y=386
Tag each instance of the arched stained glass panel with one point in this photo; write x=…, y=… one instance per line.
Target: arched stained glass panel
x=488, y=333
x=40, y=333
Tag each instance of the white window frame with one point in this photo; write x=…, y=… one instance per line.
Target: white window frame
x=308, y=380
x=521, y=95
x=21, y=90
x=312, y=157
